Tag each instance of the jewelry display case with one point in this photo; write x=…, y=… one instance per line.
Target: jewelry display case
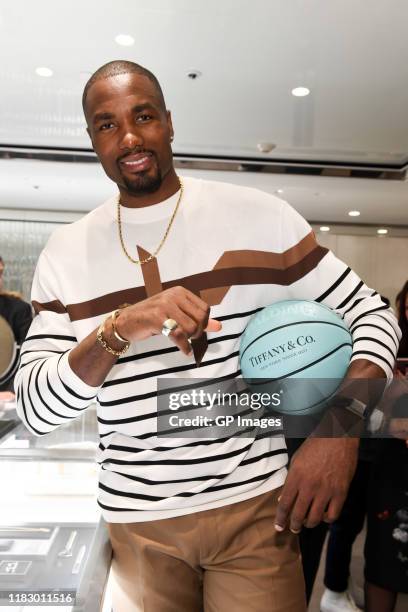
x=54, y=546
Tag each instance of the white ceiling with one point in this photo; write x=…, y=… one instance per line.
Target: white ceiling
x=352, y=54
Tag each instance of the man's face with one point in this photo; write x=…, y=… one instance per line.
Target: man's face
x=1, y=276
x=130, y=132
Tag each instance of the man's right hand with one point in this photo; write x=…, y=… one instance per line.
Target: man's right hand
x=92, y=363
x=145, y=319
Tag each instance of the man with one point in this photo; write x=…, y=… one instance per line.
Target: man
x=188, y=520
x=18, y=315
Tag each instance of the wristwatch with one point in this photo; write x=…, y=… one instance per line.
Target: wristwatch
x=355, y=406
x=375, y=417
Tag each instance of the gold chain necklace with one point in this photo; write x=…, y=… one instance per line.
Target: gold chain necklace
x=163, y=240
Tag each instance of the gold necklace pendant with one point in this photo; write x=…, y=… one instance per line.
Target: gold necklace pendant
x=163, y=240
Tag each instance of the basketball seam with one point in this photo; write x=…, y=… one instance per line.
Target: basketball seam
x=289, y=325
x=312, y=406
x=266, y=380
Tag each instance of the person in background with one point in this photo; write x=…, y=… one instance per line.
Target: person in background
x=18, y=315
x=401, y=302
x=343, y=532
x=386, y=547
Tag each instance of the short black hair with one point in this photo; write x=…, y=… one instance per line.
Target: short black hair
x=122, y=67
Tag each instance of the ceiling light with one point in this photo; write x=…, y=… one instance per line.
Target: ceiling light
x=125, y=40
x=324, y=228
x=279, y=191
x=354, y=213
x=382, y=231
x=44, y=71
x=300, y=92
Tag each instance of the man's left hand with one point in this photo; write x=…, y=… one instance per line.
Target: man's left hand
x=317, y=483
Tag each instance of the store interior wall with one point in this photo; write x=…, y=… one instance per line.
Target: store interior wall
x=20, y=246
x=379, y=260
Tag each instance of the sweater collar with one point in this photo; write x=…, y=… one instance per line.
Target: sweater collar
x=147, y=214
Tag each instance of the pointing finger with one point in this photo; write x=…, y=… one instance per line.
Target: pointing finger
x=213, y=326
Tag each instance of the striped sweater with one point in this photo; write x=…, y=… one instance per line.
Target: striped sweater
x=239, y=249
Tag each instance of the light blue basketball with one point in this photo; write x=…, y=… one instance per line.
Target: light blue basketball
x=299, y=349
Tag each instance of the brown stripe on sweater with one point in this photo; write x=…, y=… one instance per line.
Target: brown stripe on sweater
x=219, y=279
x=54, y=306
x=105, y=303
x=266, y=259
x=151, y=274
x=250, y=276
x=214, y=296
x=215, y=292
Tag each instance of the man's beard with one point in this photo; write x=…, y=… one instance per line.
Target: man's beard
x=143, y=182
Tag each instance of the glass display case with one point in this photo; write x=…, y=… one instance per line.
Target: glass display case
x=54, y=546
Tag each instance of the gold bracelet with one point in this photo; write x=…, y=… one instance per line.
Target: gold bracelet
x=105, y=345
x=117, y=335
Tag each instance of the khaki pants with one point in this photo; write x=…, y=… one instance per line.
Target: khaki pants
x=229, y=559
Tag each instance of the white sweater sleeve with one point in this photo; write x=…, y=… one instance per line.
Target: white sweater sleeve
x=48, y=392
x=372, y=323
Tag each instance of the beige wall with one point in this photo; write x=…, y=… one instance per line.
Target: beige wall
x=381, y=261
